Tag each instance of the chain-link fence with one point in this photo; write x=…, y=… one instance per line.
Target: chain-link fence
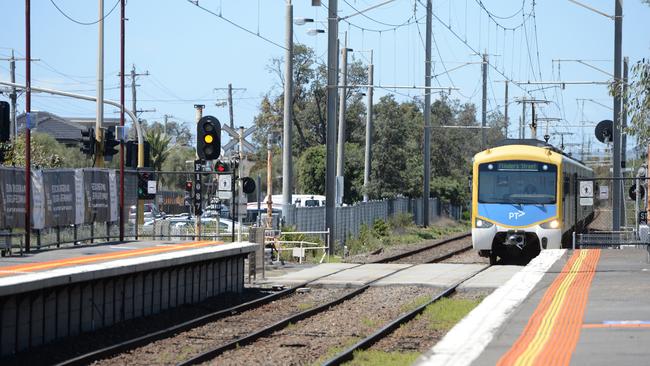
x=599, y=193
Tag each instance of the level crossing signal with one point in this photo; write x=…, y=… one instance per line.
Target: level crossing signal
x=88, y=141
x=208, y=138
x=143, y=185
x=110, y=144
x=224, y=167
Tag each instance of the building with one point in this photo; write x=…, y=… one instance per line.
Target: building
x=66, y=130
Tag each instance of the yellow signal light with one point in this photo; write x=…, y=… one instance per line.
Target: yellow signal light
x=208, y=139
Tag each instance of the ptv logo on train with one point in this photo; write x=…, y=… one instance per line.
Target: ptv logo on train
x=516, y=215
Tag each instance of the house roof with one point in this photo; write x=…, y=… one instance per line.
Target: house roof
x=61, y=128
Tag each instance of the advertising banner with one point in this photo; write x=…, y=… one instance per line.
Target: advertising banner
x=97, y=195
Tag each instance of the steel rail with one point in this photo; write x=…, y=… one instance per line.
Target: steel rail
x=421, y=249
x=192, y=323
x=367, y=342
x=248, y=339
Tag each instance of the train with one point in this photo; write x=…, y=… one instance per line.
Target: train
x=524, y=200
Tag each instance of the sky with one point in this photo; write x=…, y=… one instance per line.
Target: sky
x=191, y=53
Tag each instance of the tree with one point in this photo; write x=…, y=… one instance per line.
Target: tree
x=46, y=153
x=176, y=161
x=638, y=94
x=159, y=145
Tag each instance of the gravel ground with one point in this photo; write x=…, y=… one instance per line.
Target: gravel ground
x=74, y=346
x=417, y=335
x=314, y=339
x=469, y=257
x=393, y=250
x=430, y=254
x=185, y=345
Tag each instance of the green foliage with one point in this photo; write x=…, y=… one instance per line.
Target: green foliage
x=380, y=227
x=310, y=170
x=176, y=161
x=46, y=153
x=452, y=189
x=373, y=357
x=445, y=313
x=160, y=147
x=638, y=95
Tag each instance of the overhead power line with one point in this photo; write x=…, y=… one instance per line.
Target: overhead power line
x=256, y=34
x=84, y=23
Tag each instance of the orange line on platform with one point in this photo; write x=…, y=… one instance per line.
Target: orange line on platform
x=31, y=267
x=553, y=330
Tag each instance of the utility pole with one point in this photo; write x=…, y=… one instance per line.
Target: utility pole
x=427, y=120
x=28, y=133
x=269, y=183
x=99, y=150
x=230, y=113
x=332, y=90
x=484, y=102
x=122, y=56
x=368, y=152
x=506, y=110
x=13, y=95
x=522, y=121
x=166, y=118
x=624, y=114
x=340, y=156
x=133, y=90
x=287, y=164
x=616, y=161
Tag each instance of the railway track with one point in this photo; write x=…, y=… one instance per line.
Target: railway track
x=367, y=342
x=131, y=346
x=432, y=253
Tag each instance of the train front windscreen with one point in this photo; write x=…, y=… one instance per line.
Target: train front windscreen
x=517, y=182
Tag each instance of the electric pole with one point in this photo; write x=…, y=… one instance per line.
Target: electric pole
x=230, y=113
x=368, y=152
x=506, y=111
x=340, y=156
x=99, y=155
x=287, y=164
x=616, y=161
x=522, y=121
x=624, y=115
x=484, y=102
x=13, y=94
x=330, y=140
x=427, y=120
x=133, y=90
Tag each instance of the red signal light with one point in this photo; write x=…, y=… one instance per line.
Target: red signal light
x=220, y=167
x=188, y=186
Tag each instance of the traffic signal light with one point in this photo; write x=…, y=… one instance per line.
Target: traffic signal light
x=132, y=154
x=248, y=185
x=4, y=121
x=88, y=141
x=188, y=186
x=110, y=144
x=208, y=138
x=221, y=166
x=143, y=185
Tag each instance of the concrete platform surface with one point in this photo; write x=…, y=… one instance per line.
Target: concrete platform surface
x=309, y=274
x=360, y=275
x=491, y=278
x=53, y=268
x=434, y=274
x=584, y=307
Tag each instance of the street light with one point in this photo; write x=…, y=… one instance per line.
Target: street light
x=313, y=31
x=302, y=21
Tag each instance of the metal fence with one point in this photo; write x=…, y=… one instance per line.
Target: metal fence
x=598, y=192
x=349, y=219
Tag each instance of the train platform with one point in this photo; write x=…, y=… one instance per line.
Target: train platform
x=582, y=307
x=57, y=293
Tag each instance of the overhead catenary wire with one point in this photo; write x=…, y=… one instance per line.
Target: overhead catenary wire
x=85, y=23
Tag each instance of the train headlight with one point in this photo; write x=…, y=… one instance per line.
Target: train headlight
x=553, y=224
x=482, y=224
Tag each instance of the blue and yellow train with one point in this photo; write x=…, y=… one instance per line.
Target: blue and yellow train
x=524, y=200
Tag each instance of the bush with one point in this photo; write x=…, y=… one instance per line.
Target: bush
x=401, y=220
x=380, y=228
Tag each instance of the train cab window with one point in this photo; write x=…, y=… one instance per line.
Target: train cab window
x=518, y=182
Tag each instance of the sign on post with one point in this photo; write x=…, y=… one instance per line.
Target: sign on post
x=586, y=193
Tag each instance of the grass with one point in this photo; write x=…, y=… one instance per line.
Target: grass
x=444, y=314
x=400, y=230
x=335, y=351
x=304, y=306
x=440, y=316
x=369, y=323
x=418, y=301
x=372, y=357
